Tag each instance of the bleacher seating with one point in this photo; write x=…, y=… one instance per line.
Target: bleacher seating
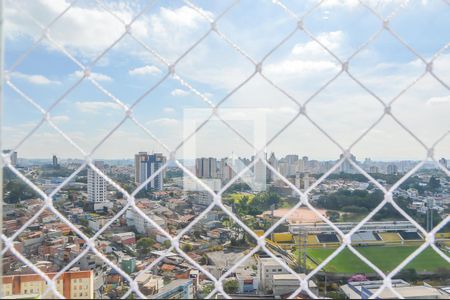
x=312, y=239
x=443, y=235
x=363, y=237
x=410, y=235
x=390, y=236
x=377, y=236
x=327, y=238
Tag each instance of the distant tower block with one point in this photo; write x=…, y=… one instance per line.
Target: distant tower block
x=97, y=188
x=373, y=169
x=443, y=162
x=145, y=166
x=306, y=181
x=297, y=181
x=392, y=169
x=55, y=161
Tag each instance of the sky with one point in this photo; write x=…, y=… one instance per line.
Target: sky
x=214, y=68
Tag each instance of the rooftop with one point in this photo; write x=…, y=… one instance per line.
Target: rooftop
x=289, y=276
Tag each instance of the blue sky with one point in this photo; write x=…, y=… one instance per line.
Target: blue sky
x=300, y=67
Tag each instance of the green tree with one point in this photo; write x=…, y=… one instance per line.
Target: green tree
x=409, y=275
x=443, y=274
x=16, y=190
x=167, y=244
x=231, y=286
x=434, y=183
x=187, y=247
x=259, y=203
x=145, y=244
x=207, y=289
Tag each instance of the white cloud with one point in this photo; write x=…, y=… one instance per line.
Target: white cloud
x=96, y=106
x=179, y=93
x=290, y=67
x=183, y=16
x=145, y=70
x=355, y=3
x=165, y=122
x=35, y=78
x=60, y=119
x=86, y=29
x=309, y=63
x=312, y=50
x=334, y=3
x=95, y=76
x=438, y=100
x=169, y=109
x=172, y=31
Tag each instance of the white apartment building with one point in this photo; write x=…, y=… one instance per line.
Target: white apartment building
x=202, y=198
x=225, y=170
x=267, y=268
x=141, y=225
x=284, y=284
x=96, y=185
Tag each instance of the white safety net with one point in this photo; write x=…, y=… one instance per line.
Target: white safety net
x=298, y=25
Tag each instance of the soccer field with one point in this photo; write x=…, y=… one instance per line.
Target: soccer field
x=384, y=257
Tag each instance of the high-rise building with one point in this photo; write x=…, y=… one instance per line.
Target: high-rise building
x=305, y=162
x=346, y=166
x=55, y=161
x=373, y=169
x=274, y=163
x=260, y=174
x=292, y=164
x=443, y=162
x=392, y=169
x=13, y=157
x=283, y=167
x=297, y=181
x=156, y=161
x=140, y=167
x=206, y=167
x=96, y=185
x=306, y=181
x=226, y=172
x=291, y=158
x=71, y=284
x=145, y=166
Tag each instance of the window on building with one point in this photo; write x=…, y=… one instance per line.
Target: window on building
x=280, y=270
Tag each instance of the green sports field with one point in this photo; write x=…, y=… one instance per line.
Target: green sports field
x=384, y=257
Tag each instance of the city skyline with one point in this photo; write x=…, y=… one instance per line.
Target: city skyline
x=193, y=159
